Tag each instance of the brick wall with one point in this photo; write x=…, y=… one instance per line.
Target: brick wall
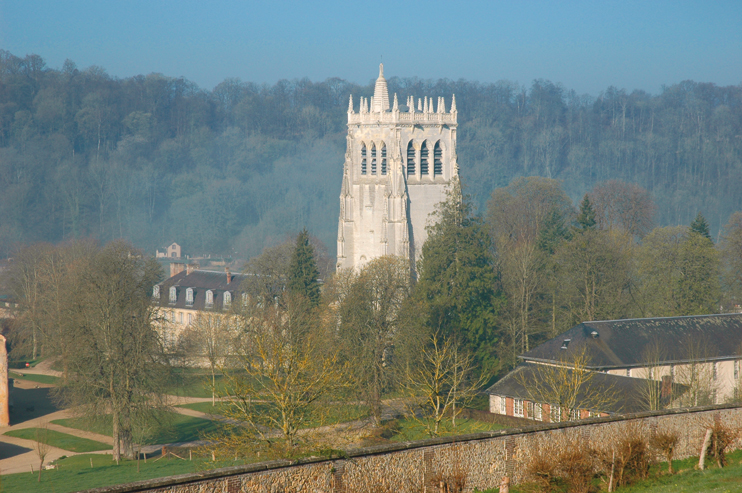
x=483, y=458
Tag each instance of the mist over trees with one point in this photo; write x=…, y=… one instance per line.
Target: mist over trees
x=156, y=159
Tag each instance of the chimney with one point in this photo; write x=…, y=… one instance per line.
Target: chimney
x=229, y=275
x=176, y=268
x=666, y=390
x=191, y=267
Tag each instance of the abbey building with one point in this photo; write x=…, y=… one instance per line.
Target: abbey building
x=398, y=165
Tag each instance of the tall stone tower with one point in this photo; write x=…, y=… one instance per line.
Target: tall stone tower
x=398, y=165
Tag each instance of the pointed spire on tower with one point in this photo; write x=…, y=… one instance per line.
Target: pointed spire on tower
x=350, y=104
x=425, y=104
x=380, y=101
x=396, y=103
x=453, y=104
x=419, y=104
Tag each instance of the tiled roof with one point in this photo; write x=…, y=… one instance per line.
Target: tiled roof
x=629, y=390
x=200, y=281
x=627, y=343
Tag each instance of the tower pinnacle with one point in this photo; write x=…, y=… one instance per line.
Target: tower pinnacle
x=380, y=102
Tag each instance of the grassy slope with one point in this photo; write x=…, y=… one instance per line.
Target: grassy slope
x=341, y=413
x=74, y=473
x=177, y=428
x=34, y=378
x=60, y=440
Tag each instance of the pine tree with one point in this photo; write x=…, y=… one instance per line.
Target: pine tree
x=700, y=226
x=458, y=284
x=586, y=218
x=552, y=233
x=303, y=272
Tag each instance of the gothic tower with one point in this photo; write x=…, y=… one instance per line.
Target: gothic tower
x=398, y=165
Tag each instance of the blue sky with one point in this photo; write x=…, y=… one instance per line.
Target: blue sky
x=586, y=46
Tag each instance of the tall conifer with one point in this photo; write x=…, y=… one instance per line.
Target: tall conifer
x=700, y=226
x=303, y=272
x=586, y=218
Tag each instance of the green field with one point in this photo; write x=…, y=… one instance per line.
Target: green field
x=176, y=428
x=341, y=413
x=74, y=473
x=34, y=378
x=60, y=440
x=405, y=430
x=686, y=480
x=193, y=383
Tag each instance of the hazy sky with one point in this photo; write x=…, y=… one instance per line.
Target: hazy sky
x=586, y=46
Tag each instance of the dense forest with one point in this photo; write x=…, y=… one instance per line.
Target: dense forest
x=156, y=159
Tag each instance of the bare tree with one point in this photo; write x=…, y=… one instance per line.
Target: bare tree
x=698, y=374
x=569, y=386
x=440, y=384
x=626, y=206
x=42, y=447
x=286, y=366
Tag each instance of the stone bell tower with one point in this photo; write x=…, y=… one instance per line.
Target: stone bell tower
x=398, y=164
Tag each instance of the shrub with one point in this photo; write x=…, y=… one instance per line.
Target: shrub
x=664, y=443
x=722, y=437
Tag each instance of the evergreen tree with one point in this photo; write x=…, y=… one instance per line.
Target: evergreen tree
x=586, y=218
x=700, y=226
x=552, y=233
x=303, y=272
x=458, y=284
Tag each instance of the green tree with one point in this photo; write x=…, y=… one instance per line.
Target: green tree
x=458, y=285
x=303, y=273
x=700, y=226
x=731, y=260
x=553, y=232
x=586, y=218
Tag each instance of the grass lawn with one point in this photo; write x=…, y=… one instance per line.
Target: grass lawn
x=34, y=378
x=194, y=383
x=74, y=473
x=406, y=429
x=341, y=413
x=686, y=480
x=176, y=428
x=60, y=440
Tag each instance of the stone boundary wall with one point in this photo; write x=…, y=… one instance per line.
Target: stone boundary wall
x=483, y=458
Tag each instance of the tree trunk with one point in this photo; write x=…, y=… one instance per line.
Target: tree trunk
x=704, y=447
x=116, y=438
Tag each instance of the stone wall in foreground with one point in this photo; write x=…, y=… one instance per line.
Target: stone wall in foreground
x=483, y=458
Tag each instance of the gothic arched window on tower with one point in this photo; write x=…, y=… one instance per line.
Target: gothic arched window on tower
x=410, y=159
x=383, y=159
x=363, y=159
x=424, y=159
x=437, y=159
x=373, y=159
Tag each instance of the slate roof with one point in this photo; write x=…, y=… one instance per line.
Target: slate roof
x=626, y=343
x=201, y=281
x=629, y=390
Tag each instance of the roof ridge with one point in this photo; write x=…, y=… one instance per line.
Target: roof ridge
x=660, y=318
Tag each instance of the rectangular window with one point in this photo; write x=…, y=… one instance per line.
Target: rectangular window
x=628, y=372
x=172, y=316
x=672, y=372
x=736, y=369
x=518, y=407
x=529, y=410
x=180, y=317
x=715, y=369
x=503, y=407
x=556, y=414
x=190, y=318
x=537, y=410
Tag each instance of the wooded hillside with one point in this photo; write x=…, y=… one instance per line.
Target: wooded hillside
x=156, y=159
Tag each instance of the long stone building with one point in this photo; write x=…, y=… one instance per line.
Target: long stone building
x=398, y=164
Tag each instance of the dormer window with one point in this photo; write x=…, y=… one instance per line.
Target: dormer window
x=173, y=294
x=155, y=292
x=209, y=298
x=227, y=299
x=189, y=297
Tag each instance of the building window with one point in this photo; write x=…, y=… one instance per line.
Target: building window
x=172, y=317
x=518, y=407
x=529, y=410
x=180, y=317
x=672, y=372
x=556, y=414
x=190, y=318
x=715, y=369
x=736, y=369
x=503, y=405
x=244, y=299
x=628, y=372
x=189, y=297
x=155, y=293
x=173, y=294
x=373, y=159
x=537, y=410
x=437, y=159
x=573, y=414
x=363, y=159
x=424, y=159
x=227, y=299
x=383, y=159
x=410, y=159
x=209, y=298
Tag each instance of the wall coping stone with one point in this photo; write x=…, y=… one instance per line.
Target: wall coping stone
x=226, y=472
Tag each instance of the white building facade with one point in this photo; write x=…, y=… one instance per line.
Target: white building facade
x=399, y=162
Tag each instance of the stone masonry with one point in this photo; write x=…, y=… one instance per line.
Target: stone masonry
x=483, y=459
x=398, y=165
